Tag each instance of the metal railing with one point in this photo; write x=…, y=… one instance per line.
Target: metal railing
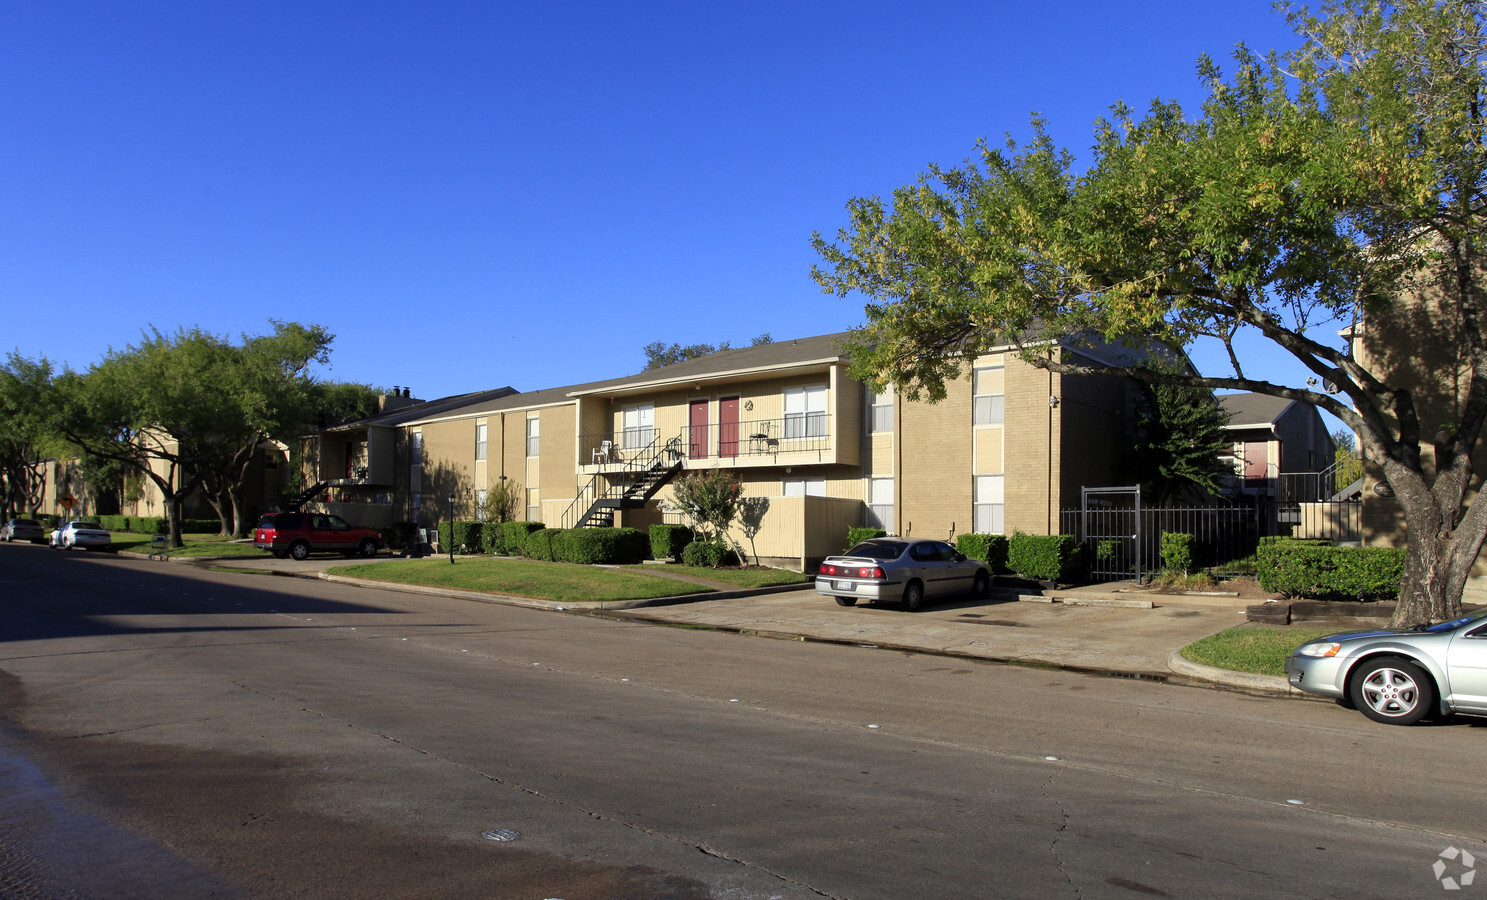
x=727, y=440
x=1118, y=540
x=622, y=471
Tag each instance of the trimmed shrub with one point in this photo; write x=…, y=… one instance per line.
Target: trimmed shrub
x=1042, y=557
x=507, y=539
x=856, y=536
x=608, y=546
x=668, y=541
x=1177, y=551
x=539, y=544
x=709, y=554
x=991, y=548
x=1312, y=568
x=114, y=523
x=148, y=524
x=400, y=535
x=466, y=536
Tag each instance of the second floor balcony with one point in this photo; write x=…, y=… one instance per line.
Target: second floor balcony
x=793, y=440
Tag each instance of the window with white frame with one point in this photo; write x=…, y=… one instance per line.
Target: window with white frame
x=480, y=432
x=638, y=424
x=480, y=497
x=990, y=400
x=880, y=411
x=534, y=507
x=880, y=502
x=804, y=487
x=415, y=462
x=991, y=504
x=805, y=411
x=534, y=436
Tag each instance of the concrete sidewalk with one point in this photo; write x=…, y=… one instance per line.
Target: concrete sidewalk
x=1095, y=629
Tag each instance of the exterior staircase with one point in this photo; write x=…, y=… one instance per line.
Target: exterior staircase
x=294, y=503
x=650, y=470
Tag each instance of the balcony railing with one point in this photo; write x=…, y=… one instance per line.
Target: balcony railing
x=754, y=438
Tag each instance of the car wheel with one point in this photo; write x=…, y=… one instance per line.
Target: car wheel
x=1392, y=691
x=299, y=550
x=913, y=596
x=846, y=601
x=367, y=548
x=280, y=554
x=980, y=586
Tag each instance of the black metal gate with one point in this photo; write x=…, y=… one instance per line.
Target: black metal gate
x=1110, y=528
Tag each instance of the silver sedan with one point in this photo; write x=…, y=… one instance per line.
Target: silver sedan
x=902, y=570
x=1399, y=675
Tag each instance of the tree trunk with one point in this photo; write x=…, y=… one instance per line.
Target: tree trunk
x=1438, y=558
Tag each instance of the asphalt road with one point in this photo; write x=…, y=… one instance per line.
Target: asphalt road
x=168, y=730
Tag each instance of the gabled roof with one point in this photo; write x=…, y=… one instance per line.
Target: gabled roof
x=405, y=414
x=822, y=349
x=1253, y=410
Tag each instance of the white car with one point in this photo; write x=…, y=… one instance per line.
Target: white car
x=902, y=570
x=87, y=535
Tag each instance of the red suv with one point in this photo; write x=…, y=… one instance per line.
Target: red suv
x=300, y=534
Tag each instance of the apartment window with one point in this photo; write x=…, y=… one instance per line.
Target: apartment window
x=415, y=463
x=880, y=411
x=480, y=433
x=805, y=411
x=990, y=401
x=480, y=496
x=534, y=507
x=880, y=503
x=805, y=487
x=639, y=426
x=991, y=504
x=534, y=436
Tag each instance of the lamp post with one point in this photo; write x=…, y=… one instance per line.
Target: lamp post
x=451, y=528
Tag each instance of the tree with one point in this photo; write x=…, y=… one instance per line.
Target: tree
x=1315, y=189
x=25, y=432
x=1346, y=466
x=1178, y=441
x=710, y=497
x=188, y=410
x=659, y=354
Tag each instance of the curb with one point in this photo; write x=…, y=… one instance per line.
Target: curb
x=562, y=605
x=1264, y=684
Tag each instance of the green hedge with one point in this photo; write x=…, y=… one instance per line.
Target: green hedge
x=508, y=538
x=539, y=544
x=992, y=548
x=114, y=523
x=668, y=541
x=1041, y=557
x=856, y=536
x=1177, y=551
x=467, y=536
x=400, y=536
x=1317, y=569
x=709, y=554
x=608, y=546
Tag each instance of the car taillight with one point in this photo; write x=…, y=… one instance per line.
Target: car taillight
x=873, y=572
x=851, y=571
x=828, y=570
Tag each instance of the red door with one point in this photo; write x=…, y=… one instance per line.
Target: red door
x=1256, y=466
x=697, y=419
x=728, y=426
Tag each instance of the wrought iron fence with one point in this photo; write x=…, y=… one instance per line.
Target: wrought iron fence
x=1119, y=541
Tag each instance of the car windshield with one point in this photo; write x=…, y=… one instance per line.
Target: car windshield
x=27, y=522
x=878, y=550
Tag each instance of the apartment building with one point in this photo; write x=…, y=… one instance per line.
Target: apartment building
x=815, y=450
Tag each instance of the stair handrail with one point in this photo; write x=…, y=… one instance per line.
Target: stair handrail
x=638, y=463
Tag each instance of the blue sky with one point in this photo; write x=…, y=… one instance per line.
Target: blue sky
x=438, y=183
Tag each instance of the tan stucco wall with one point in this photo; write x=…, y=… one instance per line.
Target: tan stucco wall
x=1032, y=460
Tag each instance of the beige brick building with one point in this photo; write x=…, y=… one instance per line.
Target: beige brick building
x=815, y=450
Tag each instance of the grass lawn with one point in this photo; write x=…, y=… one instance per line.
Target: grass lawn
x=1256, y=649
x=744, y=578
x=525, y=578
x=197, y=545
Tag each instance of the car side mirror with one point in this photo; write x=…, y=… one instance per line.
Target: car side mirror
x=960, y=557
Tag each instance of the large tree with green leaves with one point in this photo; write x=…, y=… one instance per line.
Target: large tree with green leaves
x=26, y=438
x=188, y=410
x=1315, y=189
